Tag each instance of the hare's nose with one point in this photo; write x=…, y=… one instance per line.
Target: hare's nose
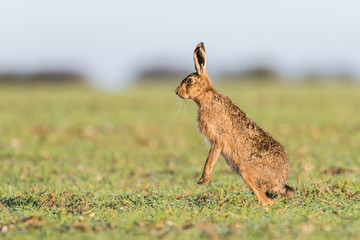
x=176, y=91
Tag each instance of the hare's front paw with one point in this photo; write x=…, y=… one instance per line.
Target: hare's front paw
x=204, y=179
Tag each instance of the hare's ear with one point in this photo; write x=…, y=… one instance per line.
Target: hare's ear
x=200, y=59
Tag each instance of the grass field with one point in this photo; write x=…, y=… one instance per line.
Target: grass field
x=77, y=163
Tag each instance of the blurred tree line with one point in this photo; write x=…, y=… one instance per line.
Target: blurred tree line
x=43, y=77
x=259, y=72
x=160, y=73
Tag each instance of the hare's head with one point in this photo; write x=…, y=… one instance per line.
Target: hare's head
x=198, y=82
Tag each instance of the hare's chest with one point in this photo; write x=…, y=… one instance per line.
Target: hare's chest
x=210, y=125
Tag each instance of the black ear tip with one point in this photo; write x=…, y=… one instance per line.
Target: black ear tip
x=200, y=45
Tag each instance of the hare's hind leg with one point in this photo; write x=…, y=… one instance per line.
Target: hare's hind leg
x=259, y=193
x=284, y=190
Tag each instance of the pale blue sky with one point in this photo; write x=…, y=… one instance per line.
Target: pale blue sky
x=111, y=40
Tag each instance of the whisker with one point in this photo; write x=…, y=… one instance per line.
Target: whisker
x=179, y=103
x=185, y=109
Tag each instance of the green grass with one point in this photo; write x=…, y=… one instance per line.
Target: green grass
x=78, y=163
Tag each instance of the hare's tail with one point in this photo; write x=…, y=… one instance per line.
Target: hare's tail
x=284, y=190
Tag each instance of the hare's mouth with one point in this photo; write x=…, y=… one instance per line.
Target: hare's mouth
x=180, y=96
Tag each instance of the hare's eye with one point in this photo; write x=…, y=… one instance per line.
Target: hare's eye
x=190, y=81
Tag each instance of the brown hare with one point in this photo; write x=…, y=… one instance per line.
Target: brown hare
x=256, y=155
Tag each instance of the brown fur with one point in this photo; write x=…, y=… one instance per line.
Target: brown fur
x=251, y=152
